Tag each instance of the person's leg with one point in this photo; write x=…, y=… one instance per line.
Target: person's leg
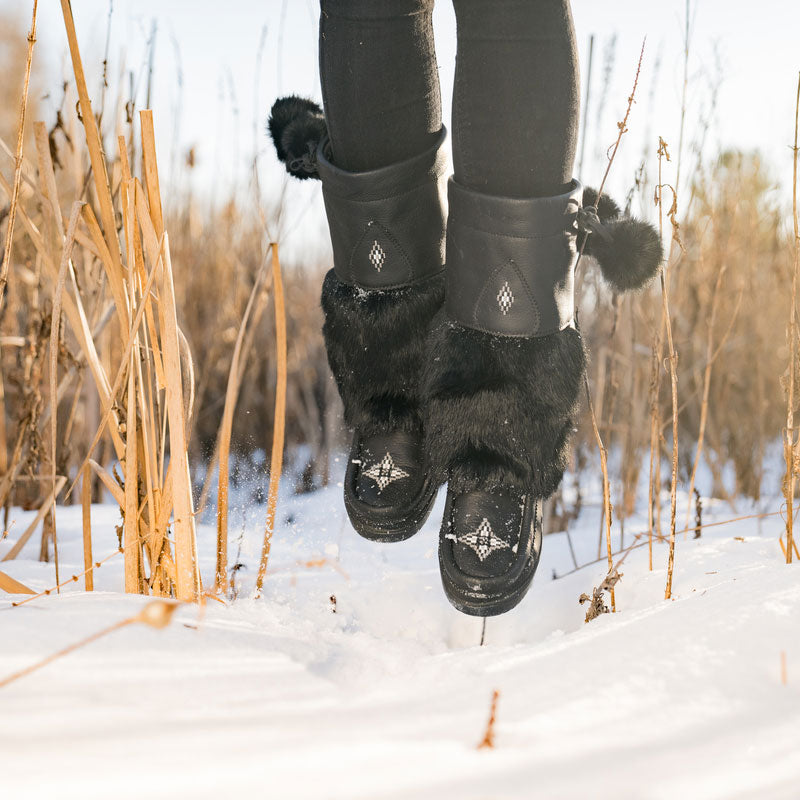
x=505, y=370
x=506, y=364
x=380, y=83
x=382, y=165
x=516, y=97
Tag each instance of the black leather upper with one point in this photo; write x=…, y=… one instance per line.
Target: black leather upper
x=387, y=225
x=511, y=261
x=489, y=548
x=390, y=469
x=485, y=532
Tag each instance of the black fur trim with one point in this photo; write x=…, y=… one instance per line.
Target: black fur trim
x=499, y=410
x=630, y=253
x=607, y=210
x=376, y=347
x=297, y=126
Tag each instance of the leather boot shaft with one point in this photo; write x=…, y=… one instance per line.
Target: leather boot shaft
x=387, y=225
x=511, y=261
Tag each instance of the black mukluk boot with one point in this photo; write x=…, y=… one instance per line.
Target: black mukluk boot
x=387, y=282
x=504, y=374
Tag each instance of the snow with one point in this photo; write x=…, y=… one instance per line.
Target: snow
x=389, y=696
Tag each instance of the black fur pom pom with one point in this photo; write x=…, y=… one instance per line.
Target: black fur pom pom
x=628, y=250
x=607, y=209
x=297, y=126
x=631, y=257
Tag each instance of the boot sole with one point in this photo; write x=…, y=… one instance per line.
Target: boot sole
x=390, y=530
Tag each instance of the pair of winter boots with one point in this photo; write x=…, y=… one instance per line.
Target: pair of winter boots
x=451, y=337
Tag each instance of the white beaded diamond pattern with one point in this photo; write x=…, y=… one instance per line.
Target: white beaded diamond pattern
x=377, y=256
x=484, y=541
x=505, y=298
x=385, y=471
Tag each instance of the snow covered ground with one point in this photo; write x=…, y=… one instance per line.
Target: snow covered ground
x=389, y=696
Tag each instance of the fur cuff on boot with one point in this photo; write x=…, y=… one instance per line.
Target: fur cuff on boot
x=376, y=344
x=500, y=410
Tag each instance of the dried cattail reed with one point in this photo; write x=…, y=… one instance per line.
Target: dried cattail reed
x=55, y=330
x=23, y=106
x=488, y=736
x=672, y=358
x=224, y=437
x=276, y=462
x=789, y=436
x=12, y=586
x=607, y=510
x=152, y=392
x=86, y=514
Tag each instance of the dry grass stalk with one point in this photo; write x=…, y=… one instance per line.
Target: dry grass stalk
x=23, y=106
x=3, y=432
x=244, y=353
x=597, y=605
x=641, y=540
x=794, y=547
x=131, y=470
x=12, y=586
x=72, y=579
x=46, y=505
x=623, y=124
x=156, y=614
x=93, y=141
x=488, y=736
x=86, y=509
x=789, y=437
x=55, y=334
x=672, y=357
x=188, y=586
x=276, y=461
x=607, y=510
x=654, y=479
x=224, y=440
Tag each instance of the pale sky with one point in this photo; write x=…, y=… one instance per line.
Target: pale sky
x=749, y=49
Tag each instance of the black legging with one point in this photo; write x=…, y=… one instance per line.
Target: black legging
x=515, y=99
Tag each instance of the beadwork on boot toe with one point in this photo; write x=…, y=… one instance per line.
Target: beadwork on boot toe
x=388, y=489
x=489, y=549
